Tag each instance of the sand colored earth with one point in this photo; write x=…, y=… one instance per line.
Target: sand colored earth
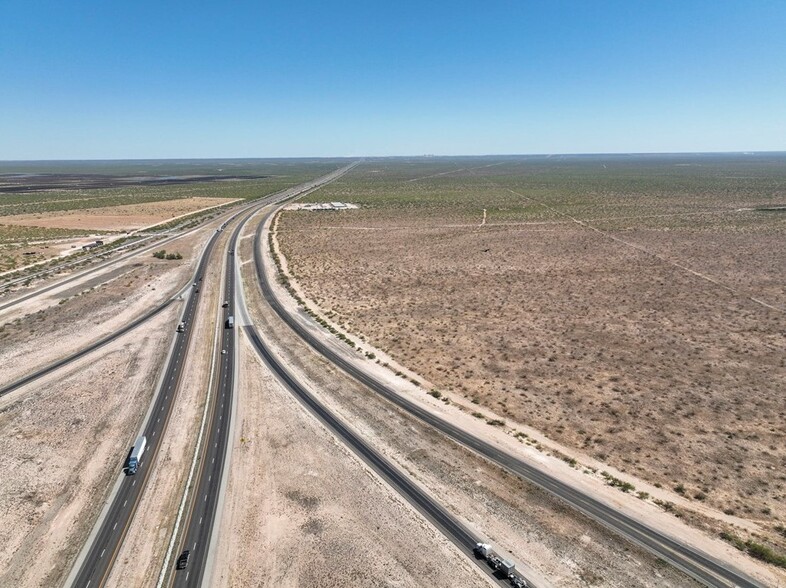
x=64, y=441
x=72, y=429
x=555, y=546
x=142, y=553
x=302, y=511
x=650, y=342
x=125, y=217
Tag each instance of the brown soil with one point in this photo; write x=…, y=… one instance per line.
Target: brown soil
x=64, y=442
x=557, y=546
x=301, y=510
x=142, y=553
x=612, y=348
x=70, y=430
x=116, y=218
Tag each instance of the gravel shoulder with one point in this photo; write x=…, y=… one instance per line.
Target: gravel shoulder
x=301, y=510
x=64, y=441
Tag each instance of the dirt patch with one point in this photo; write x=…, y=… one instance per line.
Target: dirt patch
x=298, y=497
x=545, y=538
x=142, y=553
x=64, y=444
x=116, y=218
x=606, y=348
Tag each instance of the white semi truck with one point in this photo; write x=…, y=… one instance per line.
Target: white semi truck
x=501, y=565
x=136, y=454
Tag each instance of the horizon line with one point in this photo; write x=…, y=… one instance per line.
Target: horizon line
x=420, y=155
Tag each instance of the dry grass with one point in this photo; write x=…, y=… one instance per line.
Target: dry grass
x=611, y=346
x=115, y=218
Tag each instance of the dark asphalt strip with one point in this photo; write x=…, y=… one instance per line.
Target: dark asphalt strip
x=700, y=566
x=89, y=349
x=204, y=501
x=446, y=523
x=95, y=568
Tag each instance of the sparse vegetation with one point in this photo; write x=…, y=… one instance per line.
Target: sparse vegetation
x=575, y=327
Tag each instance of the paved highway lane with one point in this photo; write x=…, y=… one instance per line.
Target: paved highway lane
x=205, y=501
x=98, y=560
x=700, y=566
x=199, y=525
x=95, y=562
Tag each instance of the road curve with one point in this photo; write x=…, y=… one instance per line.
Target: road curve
x=693, y=562
x=200, y=522
x=445, y=522
x=110, y=532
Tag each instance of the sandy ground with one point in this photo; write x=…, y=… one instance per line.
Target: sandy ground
x=142, y=553
x=548, y=457
x=41, y=425
x=605, y=348
x=125, y=217
x=303, y=511
x=45, y=328
x=559, y=547
x=64, y=441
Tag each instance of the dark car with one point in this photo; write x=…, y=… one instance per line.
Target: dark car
x=182, y=561
x=226, y=303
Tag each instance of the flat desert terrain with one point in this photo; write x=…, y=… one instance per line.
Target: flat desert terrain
x=630, y=308
x=125, y=217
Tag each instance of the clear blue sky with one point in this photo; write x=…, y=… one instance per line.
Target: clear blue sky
x=264, y=79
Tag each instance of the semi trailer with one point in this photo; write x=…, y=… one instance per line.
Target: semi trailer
x=136, y=454
x=499, y=564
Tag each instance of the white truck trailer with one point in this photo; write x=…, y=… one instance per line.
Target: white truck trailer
x=136, y=454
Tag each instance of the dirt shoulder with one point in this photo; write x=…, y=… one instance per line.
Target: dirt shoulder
x=300, y=498
x=142, y=553
x=553, y=544
x=51, y=326
x=582, y=469
x=64, y=443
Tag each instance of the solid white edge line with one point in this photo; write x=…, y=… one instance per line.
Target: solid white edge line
x=197, y=451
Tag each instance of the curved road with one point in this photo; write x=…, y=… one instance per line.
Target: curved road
x=205, y=501
x=698, y=565
x=445, y=522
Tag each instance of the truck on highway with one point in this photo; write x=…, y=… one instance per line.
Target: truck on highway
x=500, y=565
x=181, y=327
x=136, y=454
x=230, y=322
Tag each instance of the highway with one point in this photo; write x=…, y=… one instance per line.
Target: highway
x=445, y=522
x=97, y=558
x=95, y=562
x=272, y=198
x=199, y=524
x=693, y=562
x=204, y=503
x=100, y=556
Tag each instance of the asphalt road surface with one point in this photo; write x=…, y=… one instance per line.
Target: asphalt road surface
x=698, y=565
x=99, y=559
x=446, y=523
x=199, y=525
x=204, y=502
